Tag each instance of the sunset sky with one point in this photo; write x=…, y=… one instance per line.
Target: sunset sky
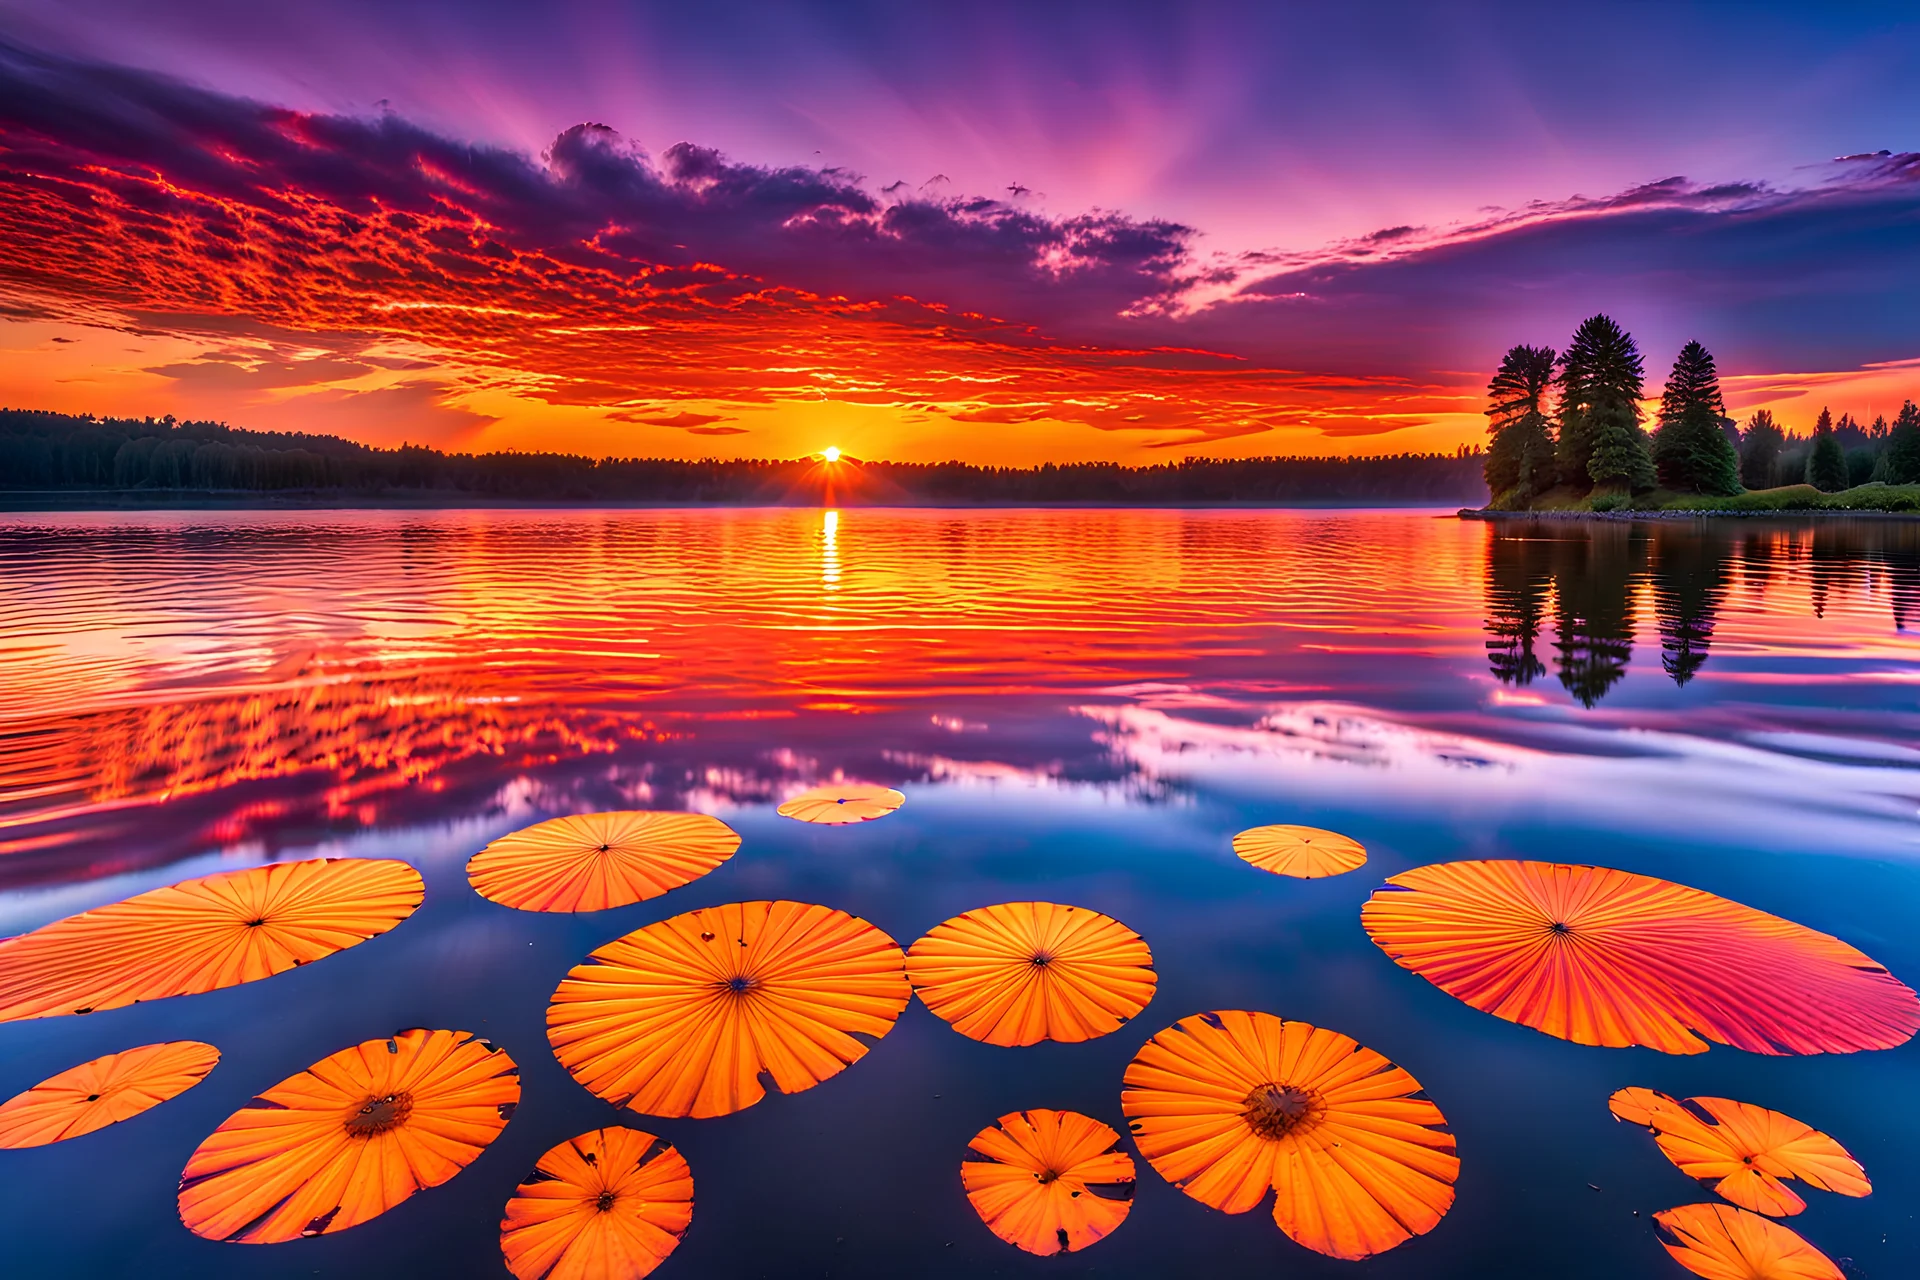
x=997, y=232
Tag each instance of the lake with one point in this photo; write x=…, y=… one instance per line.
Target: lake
x=1081, y=707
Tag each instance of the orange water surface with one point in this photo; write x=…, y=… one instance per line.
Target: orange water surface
x=252, y=672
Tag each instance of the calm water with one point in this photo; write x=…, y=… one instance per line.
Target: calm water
x=1080, y=706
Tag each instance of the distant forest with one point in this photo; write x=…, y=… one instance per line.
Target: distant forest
x=160, y=457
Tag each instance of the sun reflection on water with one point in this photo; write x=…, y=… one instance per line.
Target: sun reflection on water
x=830, y=550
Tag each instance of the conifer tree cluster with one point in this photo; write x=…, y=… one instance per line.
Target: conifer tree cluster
x=1903, y=447
x=1589, y=440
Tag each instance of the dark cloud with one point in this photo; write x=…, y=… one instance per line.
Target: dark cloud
x=1770, y=279
x=596, y=195
x=699, y=424
x=247, y=372
x=1005, y=414
x=680, y=418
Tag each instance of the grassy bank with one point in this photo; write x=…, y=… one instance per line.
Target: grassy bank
x=1904, y=498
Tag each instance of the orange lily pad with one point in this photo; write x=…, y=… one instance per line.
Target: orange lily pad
x=1606, y=957
x=1229, y=1105
x=104, y=1091
x=1023, y=972
x=349, y=1138
x=1306, y=853
x=1720, y=1242
x=683, y=1017
x=842, y=803
x=202, y=935
x=1049, y=1181
x=1741, y=1151
x=607, y=1205
x=593, y=861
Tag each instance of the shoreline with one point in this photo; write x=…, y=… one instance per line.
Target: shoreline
x=1628, y=517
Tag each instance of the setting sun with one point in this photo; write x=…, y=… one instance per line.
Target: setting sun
x=831, y=453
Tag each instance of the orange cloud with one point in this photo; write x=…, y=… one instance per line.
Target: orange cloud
x=369, y=277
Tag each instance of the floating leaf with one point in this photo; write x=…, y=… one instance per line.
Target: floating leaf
x=104, y=1091
x=1741, y=1151
x=1227, y=1105
x=1307, y=853
x=1049, y=1180
x=1023, y=972
x=842, y=803
x=349, y=1138
x=1720, y=1242
x=202, y=935
x=682, y=1017
x=593, y=861
x=607, y=1205
x=1607, y=957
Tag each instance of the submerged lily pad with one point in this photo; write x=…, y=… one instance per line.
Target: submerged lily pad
x=1720, y=1242
x=349, y=1138
x=683, y=1017
x=1306, y=853
x=1741, y=1151
x=593, y=861
x=1049, y=1181
x=201, y=935
x=107, y=1090
x=608, y=1205
x=1022, y=972
x=1229, y=1105
x=842, y=803
x=1606, y=957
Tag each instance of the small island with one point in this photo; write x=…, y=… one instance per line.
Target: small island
x=1567, y=438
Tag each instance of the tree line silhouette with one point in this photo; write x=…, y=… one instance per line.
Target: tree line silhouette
x=159, y=457
x=1572, y=421
x=1585, y=581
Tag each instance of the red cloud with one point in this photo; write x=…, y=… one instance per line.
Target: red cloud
x=596, y=276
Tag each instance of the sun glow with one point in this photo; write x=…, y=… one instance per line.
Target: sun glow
x=831, y=453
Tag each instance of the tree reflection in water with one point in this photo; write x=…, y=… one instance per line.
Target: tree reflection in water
x=1593, y=595
x=1690, y=570
x=1519, y=566
x=1591, y=575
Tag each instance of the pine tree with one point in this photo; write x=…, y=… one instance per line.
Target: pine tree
x=1520, y=460
x=1601, y=381
x=1620, y=457
x=1903, y=446
x=1690, y=451
x=1826, y=463
x=1760, y=446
